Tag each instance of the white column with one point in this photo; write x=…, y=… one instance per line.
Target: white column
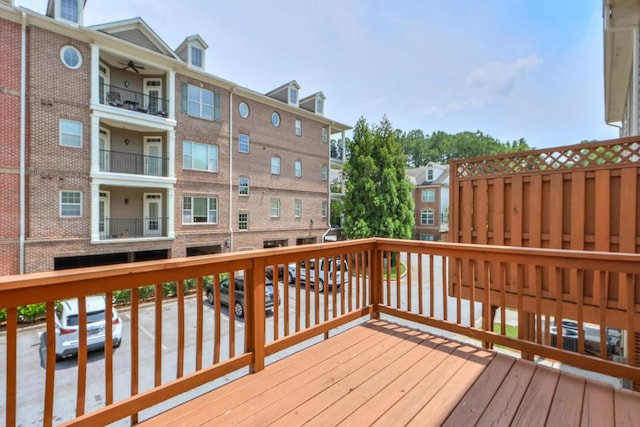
x=94, y=142
x=172, y=94
x=95, y=212
x=171, y=209
x=634, y=84
x=171, y=154
x=95, y=74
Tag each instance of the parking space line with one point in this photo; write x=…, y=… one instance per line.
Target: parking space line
x=146, y=332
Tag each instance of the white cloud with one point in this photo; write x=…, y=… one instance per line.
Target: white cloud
x=499, y=78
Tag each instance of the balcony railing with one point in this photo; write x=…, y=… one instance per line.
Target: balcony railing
x=138, y=164
x=134, y=101
x=173, y=345
x=131, y=228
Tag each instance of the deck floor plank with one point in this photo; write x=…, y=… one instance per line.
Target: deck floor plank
x=473, y=404
x=627, y=407
x=506, y=401
x=537, y=400
x=597, y=409
x=566, y=409
x=387, y=374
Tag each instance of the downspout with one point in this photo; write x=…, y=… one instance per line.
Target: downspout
x=23, y=138
x=634, y=84
x=230, y=219
x=324, y=235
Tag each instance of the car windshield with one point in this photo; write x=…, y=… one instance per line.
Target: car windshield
x=95, y=316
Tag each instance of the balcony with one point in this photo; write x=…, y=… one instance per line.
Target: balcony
x=134, y=101
x=133, y=163
x=354, y=361
x=132, y=228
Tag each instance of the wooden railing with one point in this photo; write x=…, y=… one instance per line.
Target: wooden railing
x=173, y=345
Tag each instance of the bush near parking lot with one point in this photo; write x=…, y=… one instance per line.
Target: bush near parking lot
x=36, y=312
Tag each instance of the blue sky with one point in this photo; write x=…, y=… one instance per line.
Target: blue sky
x=512, y=69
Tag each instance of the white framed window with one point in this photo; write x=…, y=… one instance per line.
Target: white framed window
x=319, y=106
x=427, y=217
x=293, y=96
x=70, y=133
x=200, y=156
x=297, y=208
x=70, y=204
x=71, y=57
x=243, y=186
x=243, y=109
x=197, y=57
x=325, y=135
x=275, y=165
x=325, y=209
x=243, y=143
x=199, y=210
x=298, y=127
x=298, y=168
x=70, y=10
x=275, y=208
x=200, y=102
x=429, y=195
x=243, y=221
x=429, y=174
x=275, y=119
x=324, y=172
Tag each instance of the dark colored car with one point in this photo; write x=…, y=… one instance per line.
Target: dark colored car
x=239, y=304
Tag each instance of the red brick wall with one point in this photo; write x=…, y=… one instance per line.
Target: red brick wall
x=10, y=45
x=420, y=206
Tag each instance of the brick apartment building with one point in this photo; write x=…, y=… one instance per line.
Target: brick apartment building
x=431, y=199
x=117, y=148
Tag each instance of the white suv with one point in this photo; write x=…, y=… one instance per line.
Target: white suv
x=335, y=268
x=67, y=319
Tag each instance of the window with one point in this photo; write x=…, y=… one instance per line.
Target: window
x=293, y=96
x=197, y=210
x=325, y=135
x=427, y=217
x=429, y=195
x=298, y=127
x=427, y=237
x=298, y=168
x=243, y=109
x=275, y=208
x=243, y=186
x=275, y=165
x=325, y=209
x=275, y=119
x=243, y=220
x=200, y=156
x=319, y=106
x=297, y=208
x=196, y=57
x=199, y=102
x=71, y=57
x=324, y=172
x=243, y=143
x=429, y=174
x=69, y=10
x=70, y=204
x=70, y=133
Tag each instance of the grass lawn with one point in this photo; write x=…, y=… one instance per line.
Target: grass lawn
x=393, y=271
x=511, y=331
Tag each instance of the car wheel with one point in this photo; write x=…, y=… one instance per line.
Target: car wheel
x=210, y=297
x=239, y=309
x=320, y=285
x=117, y=343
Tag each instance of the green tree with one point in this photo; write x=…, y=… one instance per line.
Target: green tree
x=377, y=201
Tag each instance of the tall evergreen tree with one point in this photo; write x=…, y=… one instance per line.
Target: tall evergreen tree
x=378, y=198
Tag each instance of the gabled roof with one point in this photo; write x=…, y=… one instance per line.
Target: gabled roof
x=284, y=86
x=51, y=6
x=137, y=31
x=313, y=97
x=418, y=176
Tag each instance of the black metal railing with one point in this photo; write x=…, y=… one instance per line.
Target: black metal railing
x=134, y=101
x=138, y=164
x=128, y=228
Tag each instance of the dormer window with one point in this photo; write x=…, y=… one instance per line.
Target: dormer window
x=197, y=58
x=66, y=10
x=319, y=106
x=429, y=174
x=293, y=96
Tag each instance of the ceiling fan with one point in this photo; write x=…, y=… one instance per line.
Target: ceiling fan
x=132, y=66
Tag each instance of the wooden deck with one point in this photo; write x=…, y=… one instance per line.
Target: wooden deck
x=381, y=373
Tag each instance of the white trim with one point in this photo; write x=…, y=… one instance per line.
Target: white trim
x=60, y=204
